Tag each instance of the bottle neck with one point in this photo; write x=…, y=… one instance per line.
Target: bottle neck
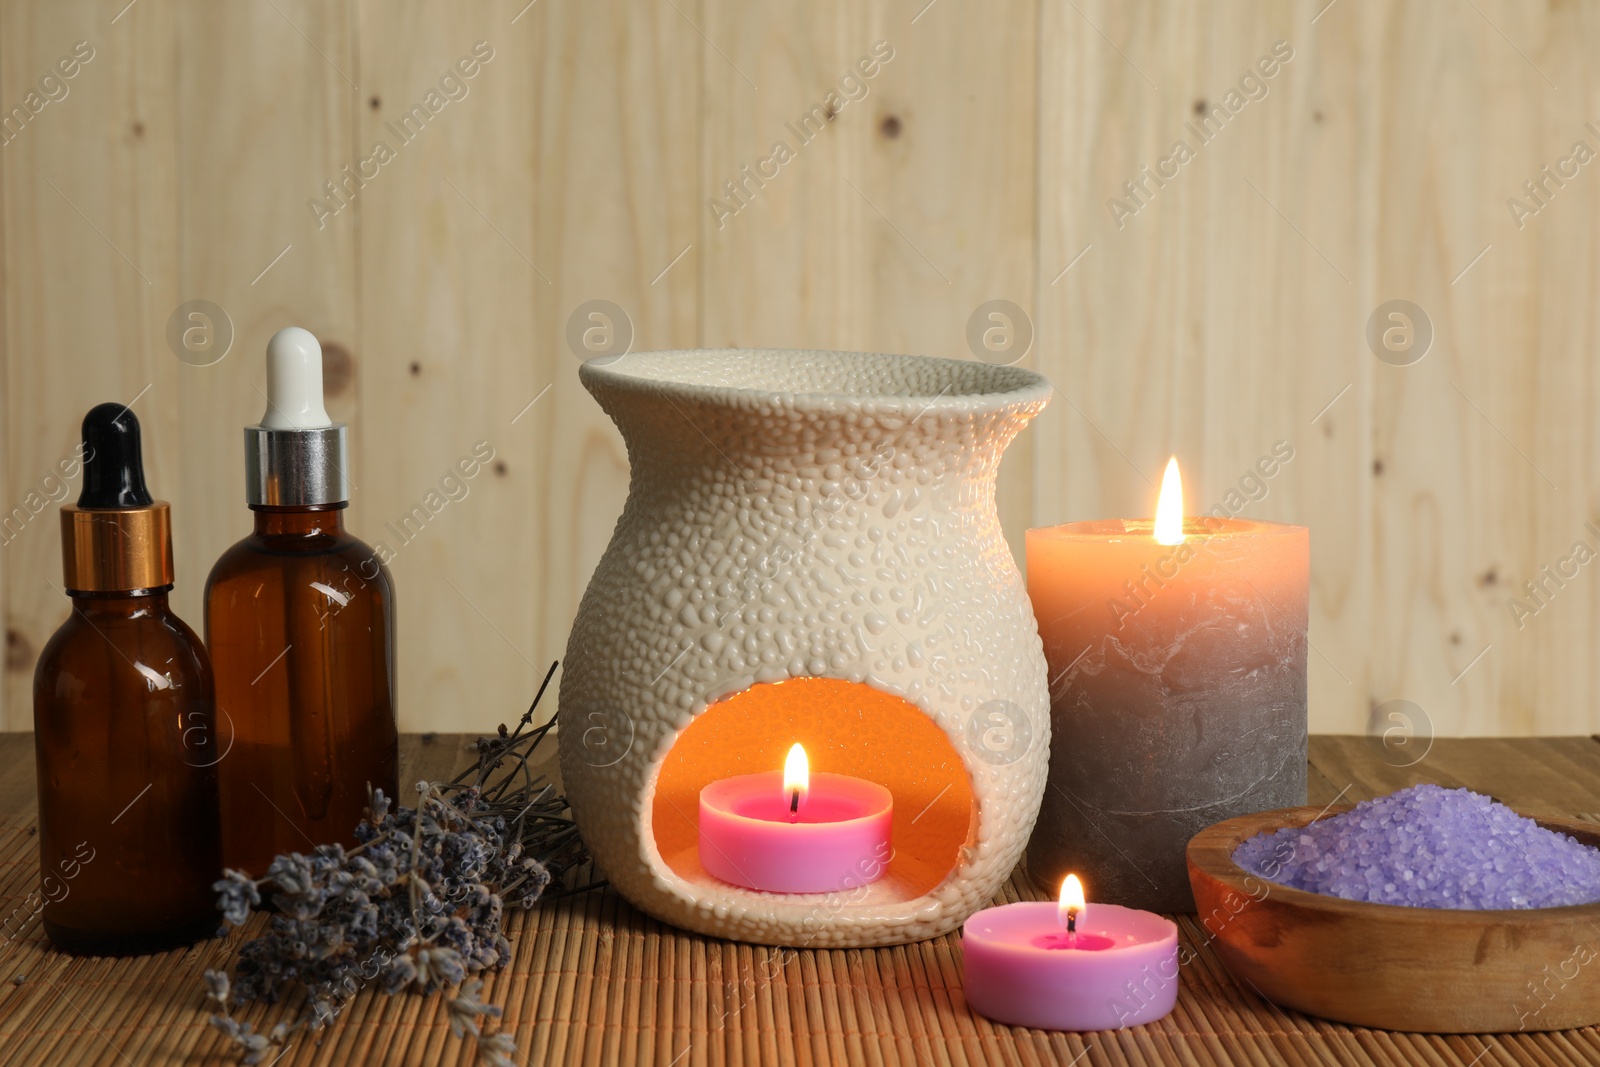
x=122, y=605
x=323, y=520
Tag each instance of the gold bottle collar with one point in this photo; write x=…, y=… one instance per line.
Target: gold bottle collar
x=112, y=550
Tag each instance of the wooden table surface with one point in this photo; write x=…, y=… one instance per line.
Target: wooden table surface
x=595, y=982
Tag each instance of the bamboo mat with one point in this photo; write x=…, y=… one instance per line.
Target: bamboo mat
x=595, y=982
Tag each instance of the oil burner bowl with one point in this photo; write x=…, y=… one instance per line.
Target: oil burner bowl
x=809, y=552
x=1392, y=967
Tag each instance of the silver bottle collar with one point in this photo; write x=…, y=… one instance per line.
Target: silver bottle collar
x=296, y=468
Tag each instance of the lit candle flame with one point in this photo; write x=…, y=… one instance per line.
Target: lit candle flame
x=1072, y=906
x=796, y=777
x=1169, y=507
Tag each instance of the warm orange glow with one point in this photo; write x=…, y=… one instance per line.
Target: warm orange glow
x=846, y=728
x=1169, y=507
x=1072, y=904
x=796, y=776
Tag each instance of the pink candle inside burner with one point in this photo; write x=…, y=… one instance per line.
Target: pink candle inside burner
x=1115, y=967
x=818, y=833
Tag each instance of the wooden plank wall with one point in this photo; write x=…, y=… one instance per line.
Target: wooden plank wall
x=1220, y=312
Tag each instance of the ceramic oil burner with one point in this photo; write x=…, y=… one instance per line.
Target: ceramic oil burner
x=809, y=554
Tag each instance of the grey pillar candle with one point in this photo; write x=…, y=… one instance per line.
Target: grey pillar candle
x=1177, y=694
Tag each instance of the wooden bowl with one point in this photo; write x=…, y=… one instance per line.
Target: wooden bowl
x=1391, y=967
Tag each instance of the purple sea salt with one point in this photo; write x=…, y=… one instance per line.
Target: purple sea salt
x=1429, y=847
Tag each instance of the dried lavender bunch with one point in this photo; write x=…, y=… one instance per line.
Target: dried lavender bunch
x=417, y=905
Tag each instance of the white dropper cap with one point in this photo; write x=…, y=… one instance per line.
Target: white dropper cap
x=294, y=382
x=297, y=456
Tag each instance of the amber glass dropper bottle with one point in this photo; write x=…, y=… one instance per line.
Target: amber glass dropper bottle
x=122, y=713
x=300, y=623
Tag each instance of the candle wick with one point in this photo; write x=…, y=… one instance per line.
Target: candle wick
x=794, y=803
x=1072, y=923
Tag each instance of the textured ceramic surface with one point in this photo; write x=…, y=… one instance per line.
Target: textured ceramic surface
x=796, y=514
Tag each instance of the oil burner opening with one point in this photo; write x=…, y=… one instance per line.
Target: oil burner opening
x=846, y=728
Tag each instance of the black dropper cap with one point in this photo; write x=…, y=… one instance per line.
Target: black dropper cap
x=115, y=539
x=113, y=469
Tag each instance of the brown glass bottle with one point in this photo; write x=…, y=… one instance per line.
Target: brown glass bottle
x=300, y=624
x=129, y=842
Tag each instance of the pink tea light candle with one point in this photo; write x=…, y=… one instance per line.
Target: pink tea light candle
x=1070, y=966
x=792, y=831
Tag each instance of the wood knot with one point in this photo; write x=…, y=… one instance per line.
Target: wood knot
x=338, y=368
x=19, y=651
